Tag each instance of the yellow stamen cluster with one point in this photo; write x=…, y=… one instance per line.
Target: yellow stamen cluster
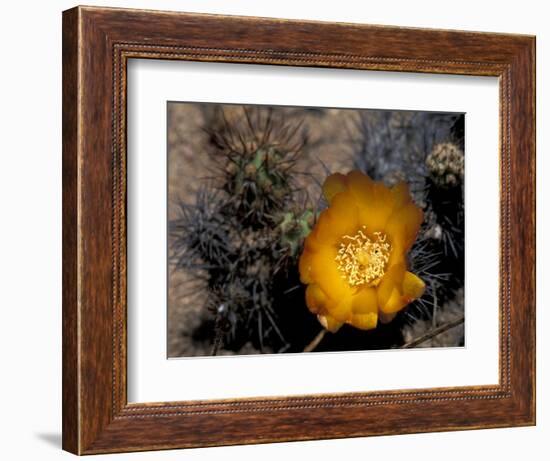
x=363, y=260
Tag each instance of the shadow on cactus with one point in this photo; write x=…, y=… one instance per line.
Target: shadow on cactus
x=271, y=252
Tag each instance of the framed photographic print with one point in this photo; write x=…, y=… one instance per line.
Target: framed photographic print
x=280, y=230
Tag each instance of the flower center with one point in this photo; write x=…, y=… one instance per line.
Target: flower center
x=362, y=259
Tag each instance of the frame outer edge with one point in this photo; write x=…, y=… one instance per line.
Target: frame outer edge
x=525, y=172
x=70, y=234
x=522, y=222
x=533, y=55
x=91, y=419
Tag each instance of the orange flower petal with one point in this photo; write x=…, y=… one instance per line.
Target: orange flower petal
x=365, y=321
x=357, y=201
x=304, y=266
x=375, y=201
x=401, y=195
x=310, y=243
x=360, y=185
x=325, y=273
x=413, y=287
x=365, y=309
x=403, y=226
x=395, y=302
x=340, y=219
x=398, y=256
x=341, y=309
x=383, y=198
x=389, y=295
x=330, y=323
x=315, y=298
x=365, y=301
x=334, y=184
x=398, y=288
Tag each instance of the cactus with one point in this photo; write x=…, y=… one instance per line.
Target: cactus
x=294, y=228
x=445, y=164
x=246, y=227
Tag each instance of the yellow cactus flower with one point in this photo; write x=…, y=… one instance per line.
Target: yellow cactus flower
x=354, y=260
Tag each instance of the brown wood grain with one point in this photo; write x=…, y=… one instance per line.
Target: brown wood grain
x=97, y=43
x=70, y=383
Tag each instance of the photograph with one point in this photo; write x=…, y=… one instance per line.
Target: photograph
x=313, y=229
x=277, y=226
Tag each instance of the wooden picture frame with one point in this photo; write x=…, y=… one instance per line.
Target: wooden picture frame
x=97, y=43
